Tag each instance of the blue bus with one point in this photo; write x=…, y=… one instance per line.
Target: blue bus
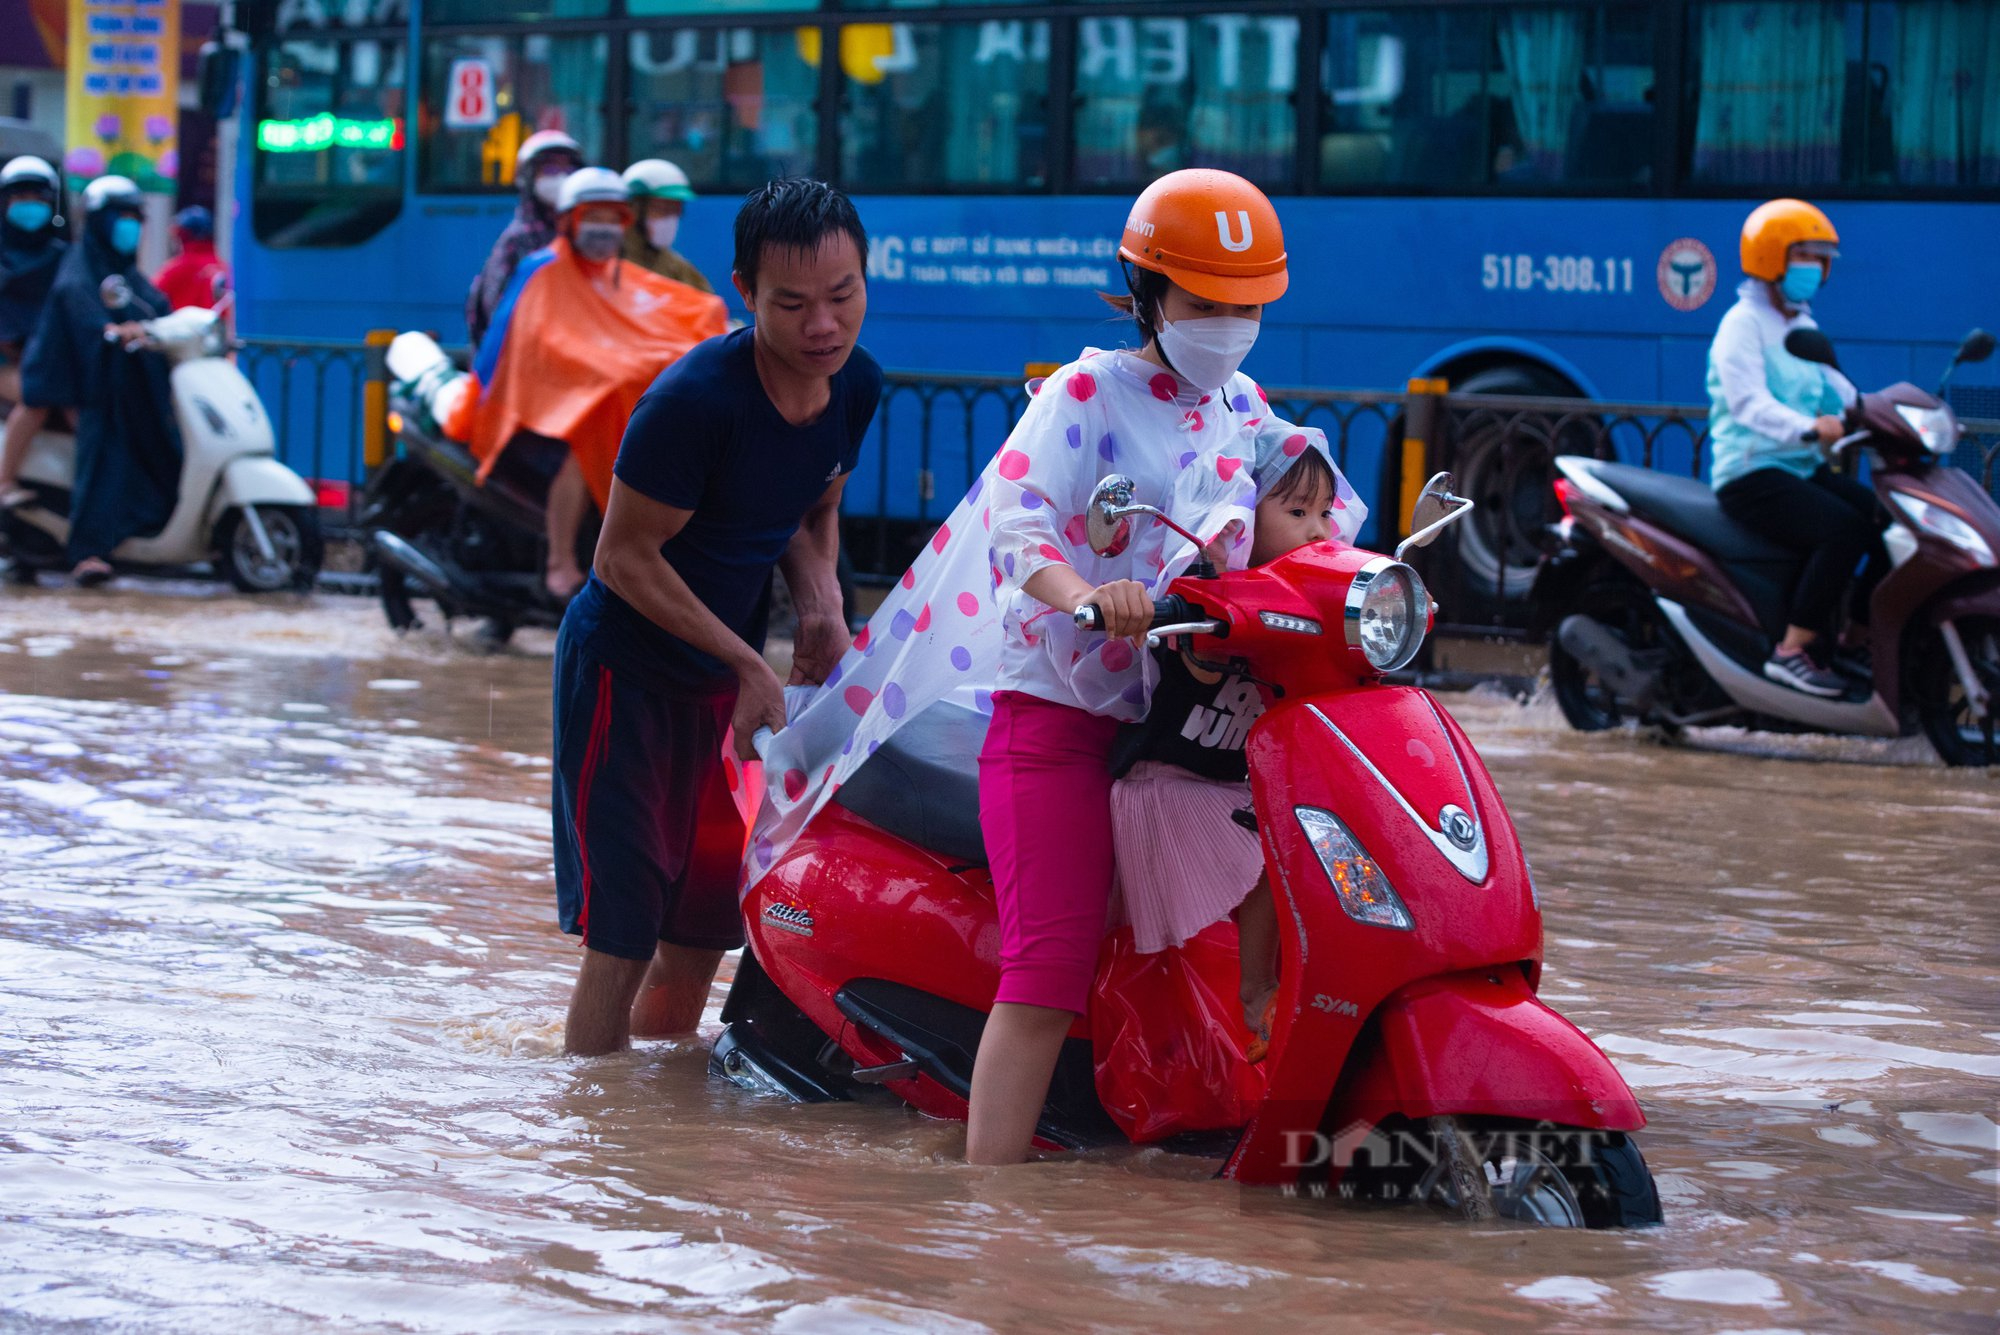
x=1523, y=198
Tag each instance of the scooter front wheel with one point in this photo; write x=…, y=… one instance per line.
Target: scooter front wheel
x=296, y=548
x=1556, y=1176
x=1962, y=736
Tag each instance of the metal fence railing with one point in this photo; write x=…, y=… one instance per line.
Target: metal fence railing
x=934, y=432
x=316, y=394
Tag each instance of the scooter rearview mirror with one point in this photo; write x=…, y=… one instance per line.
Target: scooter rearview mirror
x=1105, y=522
x=1810, y=345
x=115, y=293
x=1436, y=508
x=1978, y=346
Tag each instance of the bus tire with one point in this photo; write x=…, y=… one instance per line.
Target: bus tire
x=1512, y=481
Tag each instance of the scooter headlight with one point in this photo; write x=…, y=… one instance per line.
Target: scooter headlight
x=1364, y=892
x=1388, y=613
x=1934, y=426
x=1942, y=523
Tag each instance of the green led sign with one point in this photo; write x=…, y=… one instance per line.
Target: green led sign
x=326, y=131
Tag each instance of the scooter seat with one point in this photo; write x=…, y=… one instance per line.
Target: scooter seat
x=1686, y=507
x=923, y=783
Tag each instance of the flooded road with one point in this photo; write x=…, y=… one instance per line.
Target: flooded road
x=281, y=995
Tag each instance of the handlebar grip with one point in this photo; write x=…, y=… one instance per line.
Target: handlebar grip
x=1166, y=611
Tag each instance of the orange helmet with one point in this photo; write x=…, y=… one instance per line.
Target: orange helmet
x=1213, y=233
x=1774, y=228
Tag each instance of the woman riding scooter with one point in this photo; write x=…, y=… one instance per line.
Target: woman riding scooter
x=1772, y=413
x=31, y=249
x=127, y=446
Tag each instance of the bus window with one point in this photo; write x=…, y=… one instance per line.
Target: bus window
x=733, y=107
x=640, y=9
x=525, y=82
x=1769, y=82
x=944, y=104
x=1942, y=94
x=1505, y=96
x=328, y=142
x=1156, y=94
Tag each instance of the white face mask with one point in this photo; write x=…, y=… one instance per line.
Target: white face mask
x=548, y=187
x=1207, y=352
x=598, y=241
x=662, y=231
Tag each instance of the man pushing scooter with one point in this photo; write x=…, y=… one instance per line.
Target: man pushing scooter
x=732, y=464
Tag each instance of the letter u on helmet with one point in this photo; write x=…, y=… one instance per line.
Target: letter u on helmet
x=1213, y=233
x=1771, y=231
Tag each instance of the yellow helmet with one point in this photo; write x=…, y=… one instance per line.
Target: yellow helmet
x=1773, y=229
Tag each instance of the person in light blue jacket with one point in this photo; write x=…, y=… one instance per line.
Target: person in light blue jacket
x=1771, y=416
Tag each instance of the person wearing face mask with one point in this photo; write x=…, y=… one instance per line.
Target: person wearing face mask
x=660, y=193
x=1771, y=416
x=575, y=340
x=31, y=249
x=984, y=616
x=128, y=450
x=544, y=160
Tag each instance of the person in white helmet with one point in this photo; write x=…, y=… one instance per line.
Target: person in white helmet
x=545, y=159
x=31, y=247
x=575, y=340
x=660, y=194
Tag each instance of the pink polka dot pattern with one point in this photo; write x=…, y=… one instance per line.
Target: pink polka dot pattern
x=924, y=619
x=795, y=783
x=968, y=603
x=1163, y=387
x=1082, y=386
x=1116, y=654
x=1226, y=467
x=1077, y=530
x=941, y=537
x=1053, y=554
x=1013, y=465
x=859, y=698
x=1295, y=446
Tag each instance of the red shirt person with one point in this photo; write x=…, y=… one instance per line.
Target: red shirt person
x=189, y=278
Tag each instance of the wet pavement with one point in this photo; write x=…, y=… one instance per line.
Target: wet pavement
x=280, y=1003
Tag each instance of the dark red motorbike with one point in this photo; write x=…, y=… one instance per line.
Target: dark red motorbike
x=1665, y=609
x=1411, y=1058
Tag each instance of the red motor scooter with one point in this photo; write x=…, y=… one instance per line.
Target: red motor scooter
x=1410, y=1057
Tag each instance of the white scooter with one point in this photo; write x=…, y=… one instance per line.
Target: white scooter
x=241, y=513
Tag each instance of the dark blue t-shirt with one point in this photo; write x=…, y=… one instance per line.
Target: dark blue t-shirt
x=706, y=438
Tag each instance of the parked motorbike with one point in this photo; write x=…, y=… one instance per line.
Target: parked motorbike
x=1665, y=609
x=241, y=513
x=1410, y=1056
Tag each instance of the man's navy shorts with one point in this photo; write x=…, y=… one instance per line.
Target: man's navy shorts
x=648, y=841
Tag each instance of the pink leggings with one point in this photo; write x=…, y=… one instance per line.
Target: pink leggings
x=1045, y=809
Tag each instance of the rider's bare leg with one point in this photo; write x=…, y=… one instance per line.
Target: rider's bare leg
x=569, y=494
x=1796, y=639
x=22, y=424
x=10, y=382
x=1010, y=1080
x=1257, y=942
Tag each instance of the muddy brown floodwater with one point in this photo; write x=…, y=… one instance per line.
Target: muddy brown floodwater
x=280, y=999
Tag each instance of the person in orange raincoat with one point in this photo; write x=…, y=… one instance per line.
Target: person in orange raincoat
x=574, y=343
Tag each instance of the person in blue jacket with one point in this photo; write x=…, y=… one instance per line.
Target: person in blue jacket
x=1771, y=416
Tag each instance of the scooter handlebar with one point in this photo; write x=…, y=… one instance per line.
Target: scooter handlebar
x=1166, y=612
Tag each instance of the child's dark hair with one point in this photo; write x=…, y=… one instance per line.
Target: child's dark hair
x=794, y=213
x=1145, y=290
x=1309, y=473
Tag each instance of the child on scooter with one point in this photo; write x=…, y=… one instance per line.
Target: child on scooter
x=1184, y=858
x=1205, y=254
